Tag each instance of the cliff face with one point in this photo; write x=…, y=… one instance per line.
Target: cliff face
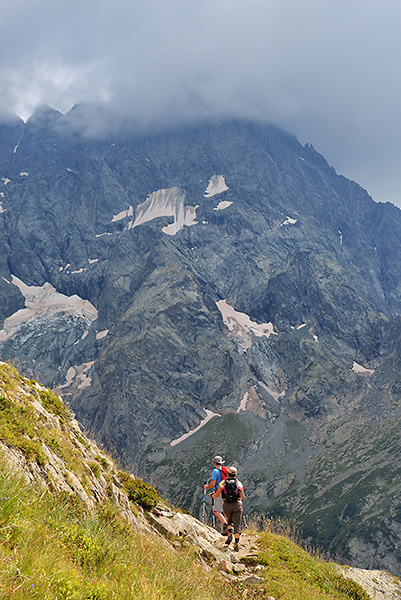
x=224, y=269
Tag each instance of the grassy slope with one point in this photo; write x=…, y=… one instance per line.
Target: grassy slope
x=54, y=547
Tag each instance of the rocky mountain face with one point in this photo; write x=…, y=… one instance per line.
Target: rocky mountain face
x=213, y=289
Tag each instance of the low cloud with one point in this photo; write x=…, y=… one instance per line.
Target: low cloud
x=327, y=72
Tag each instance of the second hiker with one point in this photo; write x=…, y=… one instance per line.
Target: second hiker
x=231, y=490
x=218, y=475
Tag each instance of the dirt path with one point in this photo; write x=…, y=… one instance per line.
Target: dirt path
x=248, y=546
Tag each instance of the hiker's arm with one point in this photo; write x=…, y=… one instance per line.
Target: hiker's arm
x=242, y=492
x=210, y=485
x=217, y=492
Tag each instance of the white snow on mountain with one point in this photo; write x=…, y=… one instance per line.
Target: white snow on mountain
x=242, y=326
x=5, y=180
x=43, y=303
x=209, y=415
x=101, y=334
x=1, y=208
x=217, y=185
x=81, y=270
x=361, y=370
x=166, y=203
x=273, y=394
x=78, y=376
x=123, y=214
x=288, y=221
x=222, y=205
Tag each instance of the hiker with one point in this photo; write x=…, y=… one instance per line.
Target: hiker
x=232, y=492
x=218, y=475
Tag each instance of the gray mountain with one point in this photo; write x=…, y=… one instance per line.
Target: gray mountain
x=216, y=288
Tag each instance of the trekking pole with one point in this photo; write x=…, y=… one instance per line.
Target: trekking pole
x=213, y=517
x=244, y=518
x=204, y=504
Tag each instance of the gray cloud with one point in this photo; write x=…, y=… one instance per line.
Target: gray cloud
x=328, y=72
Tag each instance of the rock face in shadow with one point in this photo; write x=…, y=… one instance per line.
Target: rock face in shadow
x=225, y=268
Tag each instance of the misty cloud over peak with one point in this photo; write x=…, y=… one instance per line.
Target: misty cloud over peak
x=328, y=72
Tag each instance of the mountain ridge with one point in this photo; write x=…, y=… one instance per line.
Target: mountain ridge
x=156, y=231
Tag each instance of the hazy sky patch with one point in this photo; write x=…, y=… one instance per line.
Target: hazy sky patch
x=327, y=72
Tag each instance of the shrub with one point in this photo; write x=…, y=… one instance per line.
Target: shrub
x=139, y=491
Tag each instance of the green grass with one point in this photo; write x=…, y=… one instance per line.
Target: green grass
x=293, y=574
x=24, y=428
x=54, y=548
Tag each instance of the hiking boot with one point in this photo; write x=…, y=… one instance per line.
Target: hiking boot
x=236, y=547
x=229, y=537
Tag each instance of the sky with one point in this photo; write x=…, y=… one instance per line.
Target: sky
x=328, y=72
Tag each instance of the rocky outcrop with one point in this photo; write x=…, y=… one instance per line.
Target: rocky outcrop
x=378, y=584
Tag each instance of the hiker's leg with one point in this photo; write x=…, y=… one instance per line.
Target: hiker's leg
x=228, y=514
x=218, y=510
x=236, y=517
x=220, y=517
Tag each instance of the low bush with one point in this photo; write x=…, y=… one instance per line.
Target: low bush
x=138, y=491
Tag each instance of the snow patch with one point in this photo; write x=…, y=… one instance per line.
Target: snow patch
x=288, y=221
x=217, y=185
x=242, y=326
x=101, y=334
x=166, y=203
x=302, y=326
x=91, y=261
x=341, y=237
x=272, y=393
x=81, y=270
x=5, y=180
x=1, y=208
x=123, y=214
x=2, y=194
x=361, y=370
x=98, y=235
x=209, y=416
x=82, y=338
x=23, y=174
x=78, y=375
x=43, y=303
x=222, y=205
x=243, y=403
x=72, y=171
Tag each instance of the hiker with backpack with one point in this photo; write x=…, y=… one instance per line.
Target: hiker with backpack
x=232, y=492
x=219, y=473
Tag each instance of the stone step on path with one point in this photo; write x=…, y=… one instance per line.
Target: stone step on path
x=241, y=565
